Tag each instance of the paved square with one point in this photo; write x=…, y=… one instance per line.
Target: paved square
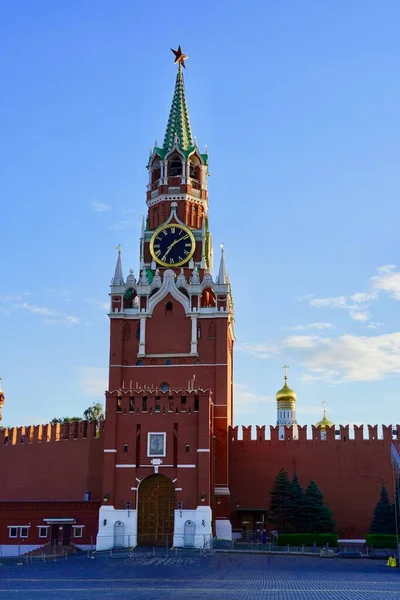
x=189, y=576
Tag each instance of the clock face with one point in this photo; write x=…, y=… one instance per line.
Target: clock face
x=172, y=245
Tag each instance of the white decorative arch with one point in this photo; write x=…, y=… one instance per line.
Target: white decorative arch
x=168, y=287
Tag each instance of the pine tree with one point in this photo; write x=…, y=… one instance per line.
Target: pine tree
x=327, y=524
x=317, y=518
x=383, y=520
x=297, y=497
x=280, y=507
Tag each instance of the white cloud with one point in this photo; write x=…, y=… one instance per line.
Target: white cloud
x=93, y=380
x=100, y=207
x=53, y=317
x=124, y=224
x=348, y=357
x=336, y=302
x=388, y=280
x=335, y=360
x=320, y=375
x=247, y=403
x=359, y=315
x=362, y=297
x=354, y=304
x=301, y=341
x=375, y=325
x=308, y=409
x=103, y=306
x=259, y=350
x=312, y=326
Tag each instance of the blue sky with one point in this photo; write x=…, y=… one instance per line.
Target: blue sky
x=298, y=103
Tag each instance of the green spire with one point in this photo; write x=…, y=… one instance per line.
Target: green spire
x=178, y=126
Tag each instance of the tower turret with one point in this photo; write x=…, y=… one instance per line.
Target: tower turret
x=118, y=278
x=171, y=358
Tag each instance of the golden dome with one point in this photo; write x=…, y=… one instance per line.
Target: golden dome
x=286, y=394
x=324, y=422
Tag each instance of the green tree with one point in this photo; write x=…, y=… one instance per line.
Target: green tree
x=65, y=420
x=383, y=520
x=297, y=497
x=280, y=507
x=94, y=412
x=316, y=516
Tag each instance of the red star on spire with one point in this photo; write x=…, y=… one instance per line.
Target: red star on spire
x=180, y=57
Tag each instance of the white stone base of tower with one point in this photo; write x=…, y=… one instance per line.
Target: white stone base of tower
x=118, y=528
x=223, y=529
x=192, y=528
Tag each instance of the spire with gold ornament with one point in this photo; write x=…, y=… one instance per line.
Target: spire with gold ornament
x=286, y=407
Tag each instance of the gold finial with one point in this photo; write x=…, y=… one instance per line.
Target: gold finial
x=180, y=57
x=118, y=247
x=285, y=368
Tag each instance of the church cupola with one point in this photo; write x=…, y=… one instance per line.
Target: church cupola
x=324, y=422
x=286, y=408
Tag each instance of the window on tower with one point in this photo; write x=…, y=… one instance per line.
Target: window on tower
x=194, y=168
x=175, y=166
x=156, y=174
x=168, y=308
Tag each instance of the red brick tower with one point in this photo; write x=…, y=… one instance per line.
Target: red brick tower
x=169, y=404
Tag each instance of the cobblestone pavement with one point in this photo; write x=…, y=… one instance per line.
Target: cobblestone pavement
x=187, y=576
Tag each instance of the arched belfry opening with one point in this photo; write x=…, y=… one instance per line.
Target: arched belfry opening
x=156, y=505
x=175, y=165
x=156, y=171
x=194, y=167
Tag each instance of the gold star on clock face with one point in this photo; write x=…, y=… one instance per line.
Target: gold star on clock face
x=180, y=57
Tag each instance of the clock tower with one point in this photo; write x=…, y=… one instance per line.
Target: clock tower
x=169, y=404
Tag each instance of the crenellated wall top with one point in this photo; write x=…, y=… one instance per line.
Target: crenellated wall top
x=344, y=433
x=58, y=432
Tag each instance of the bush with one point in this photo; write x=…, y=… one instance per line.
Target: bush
x=308, y=539
x=381, y=540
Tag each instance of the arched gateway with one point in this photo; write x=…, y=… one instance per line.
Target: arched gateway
x=156, y=504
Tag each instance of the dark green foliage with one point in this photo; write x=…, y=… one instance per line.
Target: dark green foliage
x=293, y=511
x=381, y=540
x=317, y=518
x=92, y=413
x=280, y=512
x=297, y=498
x=308, y=539
x=383, y=520
x=65, y=420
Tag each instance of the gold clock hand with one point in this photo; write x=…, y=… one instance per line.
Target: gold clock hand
x=171, y=246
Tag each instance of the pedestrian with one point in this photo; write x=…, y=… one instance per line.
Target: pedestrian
x=264, y=536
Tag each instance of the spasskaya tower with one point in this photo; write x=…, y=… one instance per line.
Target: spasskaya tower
x=169, y=403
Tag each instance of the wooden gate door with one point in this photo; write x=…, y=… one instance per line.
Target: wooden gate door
x=156, y=504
